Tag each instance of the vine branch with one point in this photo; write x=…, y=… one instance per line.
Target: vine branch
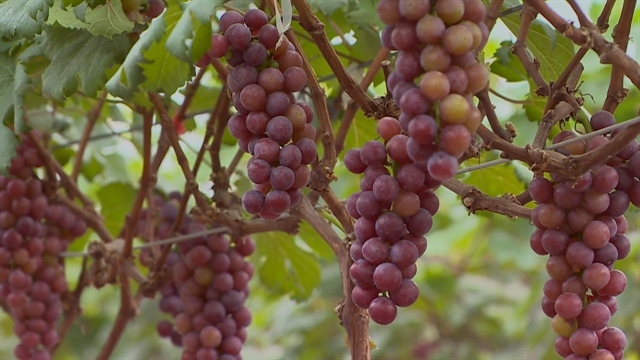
x=475, y=200
x=311, y=23
x=354, y=319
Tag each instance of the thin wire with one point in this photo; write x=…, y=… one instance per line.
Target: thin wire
x=171, y=240
x=595, y=133
x=221, y=230
x=608, y=129
x=482, y=166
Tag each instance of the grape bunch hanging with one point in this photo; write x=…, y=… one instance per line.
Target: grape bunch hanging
x=581, y=226
x=269, y=123
x=33, y=232
x=206, y=286
x=434, y=79
x=393, y=213
x=435, y=76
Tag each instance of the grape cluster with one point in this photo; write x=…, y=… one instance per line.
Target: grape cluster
x=33, y=231
x=581, y=226
x=206, y=287
x=393, y=214
x=436, y=75
x=269, y=123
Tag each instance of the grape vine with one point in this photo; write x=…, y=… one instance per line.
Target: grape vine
x=581, y=226
x=291, y=84
x=33, y=231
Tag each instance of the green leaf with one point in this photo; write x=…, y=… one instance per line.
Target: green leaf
x=508, y=65
x=285, y=268
x=23, y=18
x=496, y=180
x=7, y=74
x=116, y=200
x=92, y=168
x=164, y=72
x=68, y=3
x=545, y=43
x=328, y=7
x=79, y=57
x=63, y=155
x=8, y=143
x=191, y=36
x=362, y=130
x=149, y=65
x=315, y=241
x=204, y=98
x=105, y=20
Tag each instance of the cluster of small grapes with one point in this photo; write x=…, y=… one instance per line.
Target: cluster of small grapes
x=206, y=287
x=143, y=11
x=33, y=232
x=393, y=214
x=270, y=125
x=581, y=225
x=436, y=75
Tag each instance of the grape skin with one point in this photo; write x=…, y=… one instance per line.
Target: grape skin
x=34, y=230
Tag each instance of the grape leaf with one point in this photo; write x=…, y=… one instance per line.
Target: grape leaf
x=105, y=20
x=23, y=18
x=362, y=130
x=164, y=72
x=508, y=65
x=149, y=65
x=285, y=268
x=78, y=57
x=545, y=43
x=496, y=180
x=7, y=73
x=68, y=3
x=204, y=98
x=191, y=36
x=116, y=200
x=315, y=241
x=14, y=81
x=8, y=143
x=328, y=7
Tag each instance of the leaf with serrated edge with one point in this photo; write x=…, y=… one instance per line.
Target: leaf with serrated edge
x=23, y=18
x=195, y=20
x=129, y=76
x=8, y=143
x=78, y=57
x=105, y=20
x=286, y=268
x=116, y=200
x=163, y=71
x=553, y=51
x=496, y=180
x=7, y=73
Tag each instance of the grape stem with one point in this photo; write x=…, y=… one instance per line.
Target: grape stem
x=610, y=53
x=555, y=146
x=319, y=101
x=506, y=98
x=603, y=19
x=475, y=200
x=494, y=12
x=146, y=183
x=570, y=167
x=487, y=108
x=310, y=22
x=519, y=49
x=616, y=92
x=167, y=128
x=352, y=107
x=354, y=319
x=92, y=117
